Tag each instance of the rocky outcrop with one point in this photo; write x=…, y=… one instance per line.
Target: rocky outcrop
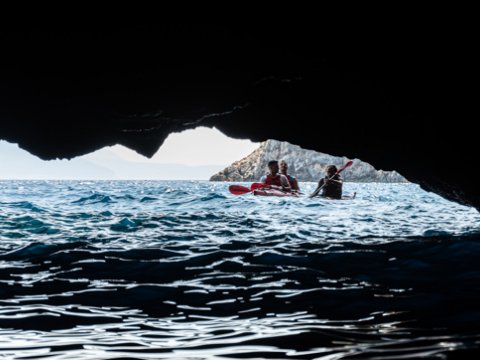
x=396, y=96
x=305, y=165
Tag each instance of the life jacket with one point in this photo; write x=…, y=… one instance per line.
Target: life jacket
x=333, y=190
x=270, y=180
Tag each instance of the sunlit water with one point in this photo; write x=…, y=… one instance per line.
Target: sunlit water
x=151, y=270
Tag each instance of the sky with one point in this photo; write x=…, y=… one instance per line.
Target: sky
x=190, y=155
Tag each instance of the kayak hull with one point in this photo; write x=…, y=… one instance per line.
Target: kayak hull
x=278, y=193
x=271, y=192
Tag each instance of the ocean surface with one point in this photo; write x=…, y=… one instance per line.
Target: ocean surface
x=185, y=270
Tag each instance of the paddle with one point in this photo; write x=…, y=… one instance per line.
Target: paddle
x=348, y=164
x=238, y=189
x=257, y=185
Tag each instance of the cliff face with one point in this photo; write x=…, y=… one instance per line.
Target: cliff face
x=305, y=165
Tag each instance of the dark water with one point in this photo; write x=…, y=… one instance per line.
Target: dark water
x=157, y=270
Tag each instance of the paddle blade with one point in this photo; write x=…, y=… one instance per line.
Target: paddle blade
x=256, y=186
x=348, y=164
x=238, y=189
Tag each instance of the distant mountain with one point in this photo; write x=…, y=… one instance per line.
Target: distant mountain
x=16, y=163
x=124, y=169
x=305, y=165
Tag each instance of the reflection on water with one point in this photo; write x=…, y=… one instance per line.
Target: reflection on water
x=185, y=270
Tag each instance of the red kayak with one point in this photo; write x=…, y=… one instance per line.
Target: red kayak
x=259, y=190
x=264, y=191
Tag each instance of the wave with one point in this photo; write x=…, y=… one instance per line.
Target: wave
x=185, y=269
x=380, y=298
x=25, y=205
x=94, y=199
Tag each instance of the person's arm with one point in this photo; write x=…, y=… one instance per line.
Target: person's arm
x=338, y=181
x=317, y=190
x=295, y=185
x=285, y=183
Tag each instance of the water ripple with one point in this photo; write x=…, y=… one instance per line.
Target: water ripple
x=186, y=270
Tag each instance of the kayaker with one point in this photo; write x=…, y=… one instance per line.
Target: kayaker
x=291, y=179
x=274, y=179
x=331, y=185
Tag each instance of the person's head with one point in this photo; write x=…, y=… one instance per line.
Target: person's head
x=283, y=166
x=273, y=166
x=330, y=170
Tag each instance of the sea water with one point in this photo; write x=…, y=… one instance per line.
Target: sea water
x=155, y=269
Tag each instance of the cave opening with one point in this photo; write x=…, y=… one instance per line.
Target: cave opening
x=187, y=256
x=206, y=154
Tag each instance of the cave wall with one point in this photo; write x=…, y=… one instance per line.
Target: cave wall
x=395, y=95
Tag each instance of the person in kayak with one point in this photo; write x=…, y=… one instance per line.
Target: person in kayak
x=291, y=179
x=330, y=185
x=274, y=179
